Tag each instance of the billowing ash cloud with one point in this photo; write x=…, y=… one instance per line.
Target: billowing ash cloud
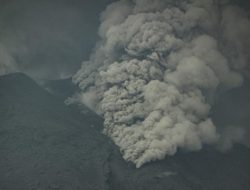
x=155, y=72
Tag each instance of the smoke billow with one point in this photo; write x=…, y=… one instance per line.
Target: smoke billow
x=156, y=71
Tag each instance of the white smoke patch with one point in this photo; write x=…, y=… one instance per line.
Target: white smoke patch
x=232, y=135
x=154, y=75
x=7, y=62
x=89, y=99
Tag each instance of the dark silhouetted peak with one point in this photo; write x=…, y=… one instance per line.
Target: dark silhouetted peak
x=45, y=144
x=14, y=78
x=16, y=84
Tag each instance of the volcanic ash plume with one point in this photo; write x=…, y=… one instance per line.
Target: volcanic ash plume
x=155, y=72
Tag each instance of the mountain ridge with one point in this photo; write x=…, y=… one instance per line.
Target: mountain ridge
x=47, y=145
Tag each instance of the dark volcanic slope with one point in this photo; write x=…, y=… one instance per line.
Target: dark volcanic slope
x=45, y=145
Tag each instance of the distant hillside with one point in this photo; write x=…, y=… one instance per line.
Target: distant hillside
x=46, y=145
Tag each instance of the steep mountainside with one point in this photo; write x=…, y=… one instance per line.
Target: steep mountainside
x=46, y=145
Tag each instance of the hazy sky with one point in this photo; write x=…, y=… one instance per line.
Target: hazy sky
x=48, y=39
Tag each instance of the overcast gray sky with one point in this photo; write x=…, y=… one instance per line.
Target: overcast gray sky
x=49, y=39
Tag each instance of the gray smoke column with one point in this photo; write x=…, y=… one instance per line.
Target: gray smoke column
x=155, y=72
